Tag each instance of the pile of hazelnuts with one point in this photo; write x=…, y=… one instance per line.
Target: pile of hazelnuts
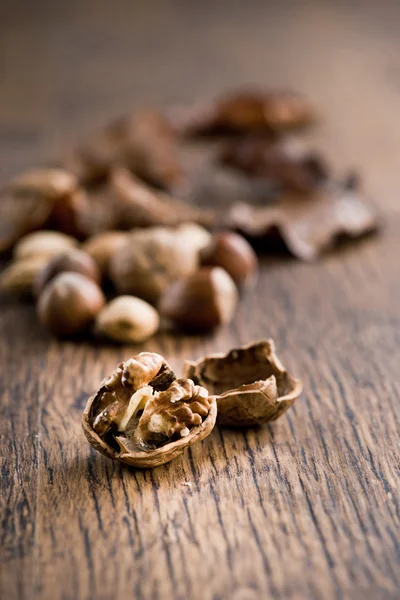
x=121, y=285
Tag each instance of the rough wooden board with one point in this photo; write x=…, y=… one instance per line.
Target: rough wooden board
x=306, y=508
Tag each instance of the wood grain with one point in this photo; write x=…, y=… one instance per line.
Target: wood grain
x=307, y=508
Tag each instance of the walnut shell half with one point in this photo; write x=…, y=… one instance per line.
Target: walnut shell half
x=251, y=384
x=143, y=416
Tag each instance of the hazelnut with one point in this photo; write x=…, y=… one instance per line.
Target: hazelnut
x=74, y=261
x=201, y=301
x=234, y=254
x=69, y=303
x=43, y=243
x=150, y=261
x=103, y=246
x=127, y=319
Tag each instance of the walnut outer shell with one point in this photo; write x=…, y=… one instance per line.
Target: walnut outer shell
x=251, y=384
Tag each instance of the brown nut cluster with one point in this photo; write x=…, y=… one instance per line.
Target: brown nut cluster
x=128, y=195
x=162, y=265
x=143, y=416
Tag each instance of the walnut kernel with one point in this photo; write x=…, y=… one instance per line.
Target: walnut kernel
x=145, y=417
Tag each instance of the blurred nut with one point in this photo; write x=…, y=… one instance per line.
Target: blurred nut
x=139, y=205
x=150, y=260
x=19, y=276
x=29, y=201
x=74, y=261
x=43, y=243
x=69, y=213
x=127, y=319
x=66, y=201
x=69, y=303
x=150, y=149
x=234, y=254
x=195, y=235
x=103, y=246
x=201, y=301
x=142, y=140
x=49, y=182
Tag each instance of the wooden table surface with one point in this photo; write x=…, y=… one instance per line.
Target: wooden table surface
x=306, y=508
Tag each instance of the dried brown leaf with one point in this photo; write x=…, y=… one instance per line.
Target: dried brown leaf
x=244, y=112
x=287, y=162
x=308, y=223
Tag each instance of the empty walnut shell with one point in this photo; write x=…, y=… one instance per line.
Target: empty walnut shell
x=144, y=417
x=251, y=384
